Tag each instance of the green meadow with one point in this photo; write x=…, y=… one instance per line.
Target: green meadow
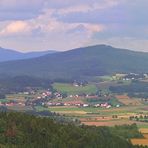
x=73, y=90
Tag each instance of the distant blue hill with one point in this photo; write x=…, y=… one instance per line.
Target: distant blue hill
x=9, y=55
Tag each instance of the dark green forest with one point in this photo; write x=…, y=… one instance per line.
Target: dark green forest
x=21, y=83
x=20, y=130
x=135, y=89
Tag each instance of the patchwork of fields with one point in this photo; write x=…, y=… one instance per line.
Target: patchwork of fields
x=101, y=117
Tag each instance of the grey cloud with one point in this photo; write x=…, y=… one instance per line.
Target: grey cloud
x=115, y=15
x=59, y=4
x=20, y=9
x=127, y=19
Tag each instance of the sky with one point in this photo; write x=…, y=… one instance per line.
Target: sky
x=36, y=25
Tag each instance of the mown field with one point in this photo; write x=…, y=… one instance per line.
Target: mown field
x=141, y=141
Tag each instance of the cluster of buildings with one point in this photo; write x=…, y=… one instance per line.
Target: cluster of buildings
x=46, y=94
x=68, y=103
x=131, y=76
x=47, y=98
x=78, y=104
x=103, y=105
x=12, y=103
x=79, y=83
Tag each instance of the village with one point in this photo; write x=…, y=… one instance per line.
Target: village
x=77, y=96
x=49, y=98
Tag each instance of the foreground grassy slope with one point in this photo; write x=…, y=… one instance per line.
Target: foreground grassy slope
x=89, y=61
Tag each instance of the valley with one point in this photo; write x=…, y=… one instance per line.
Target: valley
x=92, y=103
x=84, y=97
x=73, y=74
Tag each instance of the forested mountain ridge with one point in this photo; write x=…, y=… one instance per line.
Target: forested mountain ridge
x=87, y=61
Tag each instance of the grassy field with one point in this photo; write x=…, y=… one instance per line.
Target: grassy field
x=4, y=100
x=73, y=90
x=107, y=122
x=20, y=108
x=16, y=97
x=105, y=78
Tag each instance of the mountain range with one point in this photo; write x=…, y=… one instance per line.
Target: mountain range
x=9, y=54
x=88, y=61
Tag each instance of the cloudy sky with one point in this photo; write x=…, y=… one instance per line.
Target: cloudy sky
x=28, y=25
